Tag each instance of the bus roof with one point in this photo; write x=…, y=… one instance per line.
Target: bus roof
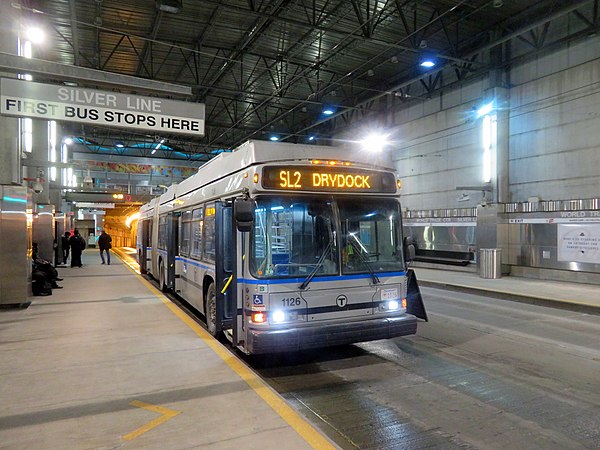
x=260, y=152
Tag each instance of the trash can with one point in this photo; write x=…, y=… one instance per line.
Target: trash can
x=490, y=262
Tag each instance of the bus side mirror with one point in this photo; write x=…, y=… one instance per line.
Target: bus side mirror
x=409, y=249
x=243, y=212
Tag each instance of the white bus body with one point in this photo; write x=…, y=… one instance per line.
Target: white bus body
x=322, y=264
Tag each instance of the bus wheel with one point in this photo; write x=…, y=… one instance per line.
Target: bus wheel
x=161, y=278
x=210, y=310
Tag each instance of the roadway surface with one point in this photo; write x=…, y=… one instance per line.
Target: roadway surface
x=483, y=373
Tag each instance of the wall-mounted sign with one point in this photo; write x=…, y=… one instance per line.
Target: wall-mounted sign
x=94, y=205
x=72, y=104
x=579, y=243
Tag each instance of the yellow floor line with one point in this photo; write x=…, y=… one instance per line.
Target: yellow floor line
x=309, y=433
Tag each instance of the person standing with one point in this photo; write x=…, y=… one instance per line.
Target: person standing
x=104, y=243
x=77, y=244
x=64, y=241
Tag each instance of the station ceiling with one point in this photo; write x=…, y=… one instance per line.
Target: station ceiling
x=271, y=67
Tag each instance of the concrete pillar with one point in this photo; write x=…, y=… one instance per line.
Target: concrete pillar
x=502, y=190
x=40, y=153
x=10, y=155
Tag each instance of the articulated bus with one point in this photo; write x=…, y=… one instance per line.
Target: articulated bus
x=284, y=247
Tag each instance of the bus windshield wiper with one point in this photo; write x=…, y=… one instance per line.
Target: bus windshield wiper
x=364, y=259
x=313, y=272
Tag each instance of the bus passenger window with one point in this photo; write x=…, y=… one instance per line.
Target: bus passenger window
x=196, y=234
x=209, y=233
x=184, y=233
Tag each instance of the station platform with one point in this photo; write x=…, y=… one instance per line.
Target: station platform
x=109, y=362
x=557, y=294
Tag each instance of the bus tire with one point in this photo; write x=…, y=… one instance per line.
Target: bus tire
x=210, y=310
x=161, y=277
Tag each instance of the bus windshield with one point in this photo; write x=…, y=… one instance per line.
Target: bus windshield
x=294, y=237
x=301, y=236
x=370, y=235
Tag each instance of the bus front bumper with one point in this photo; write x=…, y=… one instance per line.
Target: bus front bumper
x=327, y=335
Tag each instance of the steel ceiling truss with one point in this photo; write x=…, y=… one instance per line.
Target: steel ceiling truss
x=359, y=55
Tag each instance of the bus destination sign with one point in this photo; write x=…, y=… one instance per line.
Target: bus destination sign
x=327, y=179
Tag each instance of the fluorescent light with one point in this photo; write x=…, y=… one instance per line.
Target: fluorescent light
x=159, y=145
x=328, y=111
x=485, y=109
x=68, y=141
x=311, y=138
x=427, y=64
x=273, y=138
x=119, y=145
x=487, y=148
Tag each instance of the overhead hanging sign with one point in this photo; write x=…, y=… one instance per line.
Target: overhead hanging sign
x=72, y=104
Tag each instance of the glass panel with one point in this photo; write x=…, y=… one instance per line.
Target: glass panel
x=209, y=233
x=371, y=238
x=162, y=232
x=196, y=233
x=293, y=237
x=184, y=233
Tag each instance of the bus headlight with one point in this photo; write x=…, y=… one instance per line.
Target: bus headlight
x=278, y=316
x=393, y=305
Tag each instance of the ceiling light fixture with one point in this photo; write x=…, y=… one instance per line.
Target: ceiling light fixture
x=170, y=6
x=374, y=142
x=35, y=35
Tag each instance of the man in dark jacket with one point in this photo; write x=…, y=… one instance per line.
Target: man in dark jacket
x=64, y=243
x=77, y=244
x=104, y=243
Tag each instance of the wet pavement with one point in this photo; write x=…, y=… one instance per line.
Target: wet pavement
x=481, y=374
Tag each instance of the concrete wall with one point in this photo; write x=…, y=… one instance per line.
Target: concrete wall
x=437, y=147
x=555, y=125
x=554, y=134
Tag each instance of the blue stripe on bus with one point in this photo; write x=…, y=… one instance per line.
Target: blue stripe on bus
x=320, y=279
x=193, y=263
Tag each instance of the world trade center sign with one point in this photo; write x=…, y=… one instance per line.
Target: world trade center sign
x=22, y=98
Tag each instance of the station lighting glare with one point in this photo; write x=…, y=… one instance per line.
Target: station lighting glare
x=131, y=218
x=119, y=145
x=273, y=138
x=311, y=138
x=375, y=142
x=35, y=34
x=485, y=109
x=328, y=111
x=68, y=141
x=427, y=63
